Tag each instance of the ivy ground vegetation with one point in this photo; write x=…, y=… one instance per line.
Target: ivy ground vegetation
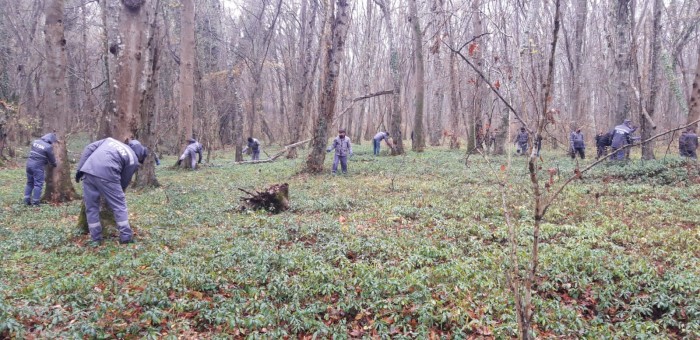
x=401, y=247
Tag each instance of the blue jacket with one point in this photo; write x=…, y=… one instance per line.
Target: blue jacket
x=342, y=146
x=381, y=136
x=576, y=140
x=621, y=137
x=112, y=160
x=42, y=152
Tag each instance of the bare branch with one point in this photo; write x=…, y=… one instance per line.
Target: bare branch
x=589, y=167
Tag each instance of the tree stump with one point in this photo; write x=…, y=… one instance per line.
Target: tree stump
x=274, y=199
x=106, y=219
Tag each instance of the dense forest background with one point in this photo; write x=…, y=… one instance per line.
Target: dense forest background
x=225, y=70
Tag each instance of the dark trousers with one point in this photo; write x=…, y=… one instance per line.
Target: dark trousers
x=93, y=189
x=377, y=145
x=35, y=183
x=343, y=163
x=580, y=151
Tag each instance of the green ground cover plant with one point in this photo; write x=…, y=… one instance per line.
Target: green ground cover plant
x=412, y=247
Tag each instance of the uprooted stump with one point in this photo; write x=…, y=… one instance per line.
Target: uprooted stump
x=274, y=199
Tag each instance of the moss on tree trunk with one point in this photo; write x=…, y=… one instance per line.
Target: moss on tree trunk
x=106, y=218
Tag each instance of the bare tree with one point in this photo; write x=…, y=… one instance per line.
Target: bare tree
x=418, y=133
x=333, y=42
x=55, y=104
x=187, y=65
x=395, y=129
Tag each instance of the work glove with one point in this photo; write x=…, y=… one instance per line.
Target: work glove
x=78, y=176
x=178, y=162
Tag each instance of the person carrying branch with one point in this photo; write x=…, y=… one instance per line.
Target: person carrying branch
x=343, y=149
x=106, y=167
x=193, y=147
x=41, y=154
x=621, y=137
x=690, y=143
x=254, y=146
x=521, y=140
x=577, y=144
x=377, y=141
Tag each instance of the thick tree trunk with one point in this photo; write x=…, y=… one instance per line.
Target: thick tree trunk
x=333, y=41
x=694, y=104
x=648, y=148
x=623, y=60
x=187, y=64
x=395, y=122
x=136, y=65
x=418, y=133
x=480, y=90
x=438, y=22
x=55, y=110
x=576, y=84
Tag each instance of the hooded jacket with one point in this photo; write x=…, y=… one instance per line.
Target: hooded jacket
x=42, y=151
x=112, y=160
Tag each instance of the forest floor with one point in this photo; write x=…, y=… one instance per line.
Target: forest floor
x=409, y=246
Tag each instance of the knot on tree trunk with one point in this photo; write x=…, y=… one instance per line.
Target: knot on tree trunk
x=274, y=199
x=133, y=5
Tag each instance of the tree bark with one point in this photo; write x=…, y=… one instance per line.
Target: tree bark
x=395, y=124
x=623, y=60
x=645, y=125
x=55, y=110
x=694, y=104
x=136, y=65
x=438, y=23
x=187, y=63
x=333, y=41
x=418, y=133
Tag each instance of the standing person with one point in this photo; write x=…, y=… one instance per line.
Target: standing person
x=620, y=138
x=521, y=139
x=254, y=146
x=193, y=147
x=343, y=149
x=691, y=143
x=602, y=141
x=41, y=154
x=106, y=168
x=377, y=141
x=577, y=144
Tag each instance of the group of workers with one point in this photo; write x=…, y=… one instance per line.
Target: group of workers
x=107, y=166
x=616, y=140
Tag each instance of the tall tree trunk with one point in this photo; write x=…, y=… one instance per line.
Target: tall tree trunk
x=333, y=40
x=136, y=58
x=395, y=125
x=478, y=130
x=454, y=104
x=55, y=110
x=146, y=133
x=694, y=104
x=623, y=60
x=645, y=125
x=187, y=53
x=418, y=133
x=238, y=111
x=577, y=115
x=438, y=86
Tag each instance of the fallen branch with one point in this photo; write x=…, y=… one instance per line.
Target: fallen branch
x=275, y=156
x=367, y=96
